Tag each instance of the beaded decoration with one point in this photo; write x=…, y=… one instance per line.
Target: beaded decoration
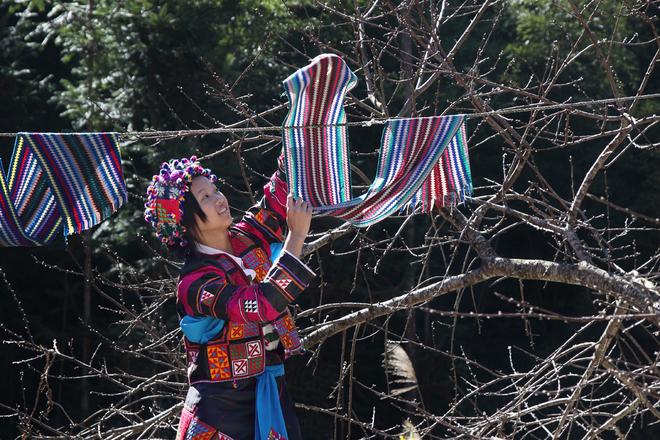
x=165, y=196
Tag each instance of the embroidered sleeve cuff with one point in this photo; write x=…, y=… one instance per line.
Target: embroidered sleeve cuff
x=302, y=265
x=286, y=280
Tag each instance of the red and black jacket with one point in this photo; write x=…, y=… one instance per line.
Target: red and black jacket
x=216, y=285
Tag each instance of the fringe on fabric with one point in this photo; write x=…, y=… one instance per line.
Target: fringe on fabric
x=69, y=182
x=423, y=162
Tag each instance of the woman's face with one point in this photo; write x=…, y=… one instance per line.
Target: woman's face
x=213, y=203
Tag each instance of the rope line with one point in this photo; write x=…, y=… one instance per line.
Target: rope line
x=368, y=123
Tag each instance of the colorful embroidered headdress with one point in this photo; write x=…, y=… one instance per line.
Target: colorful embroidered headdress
x=165, y=196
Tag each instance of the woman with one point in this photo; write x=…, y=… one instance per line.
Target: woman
x=232, y=298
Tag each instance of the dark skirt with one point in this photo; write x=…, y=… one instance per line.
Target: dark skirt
x=226, y=410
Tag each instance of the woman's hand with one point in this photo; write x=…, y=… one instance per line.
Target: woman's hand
x=298, y=218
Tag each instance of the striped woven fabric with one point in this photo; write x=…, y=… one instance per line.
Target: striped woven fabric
x=450, y=179
x=316, y=96
x=59, y=181
x=423, y=162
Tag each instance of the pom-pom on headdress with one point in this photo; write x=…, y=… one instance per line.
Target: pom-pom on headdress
x=165, y=196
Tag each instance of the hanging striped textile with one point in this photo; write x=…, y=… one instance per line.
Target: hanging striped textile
x=55, y=182
x=423, y=162
x=316, y=96
x=450, y=179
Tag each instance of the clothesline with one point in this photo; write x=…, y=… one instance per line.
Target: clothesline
x=73, y=181
x=368, y=123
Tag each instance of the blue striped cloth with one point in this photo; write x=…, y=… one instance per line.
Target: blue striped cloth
x=65, y=182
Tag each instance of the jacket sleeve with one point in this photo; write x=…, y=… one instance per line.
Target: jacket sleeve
x=206, y=292
x=267, y=219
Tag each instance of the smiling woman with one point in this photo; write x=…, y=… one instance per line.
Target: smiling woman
x=210, y=205
x=232, y=299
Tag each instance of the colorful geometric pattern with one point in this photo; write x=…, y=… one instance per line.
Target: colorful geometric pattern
x=261, y=272
x=59, y=181
x=236, y=330
x=207, y=298
x=218, y=362
x=226, y=264
x=167, y=211
x=227, y=360
x=191, y=427
x=184, y=423
x=198, y=430
x=239, y=367
x=251, y=306
x=283, y=281
x=238, y=351
x=254, y=349
x=251, y=329
x=247, y=367
x=286, y=329
x=242, y=330
x=282, y=278
x=287, y=322
x=414, y=168
x=246, y=358
x=255, y=365
x=254, y=257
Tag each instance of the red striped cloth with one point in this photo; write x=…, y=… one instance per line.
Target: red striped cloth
x=423, y=162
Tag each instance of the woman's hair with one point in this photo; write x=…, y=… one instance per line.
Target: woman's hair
x=190, y=209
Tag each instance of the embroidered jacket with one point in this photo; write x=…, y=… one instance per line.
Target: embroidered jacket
x=216, y=285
